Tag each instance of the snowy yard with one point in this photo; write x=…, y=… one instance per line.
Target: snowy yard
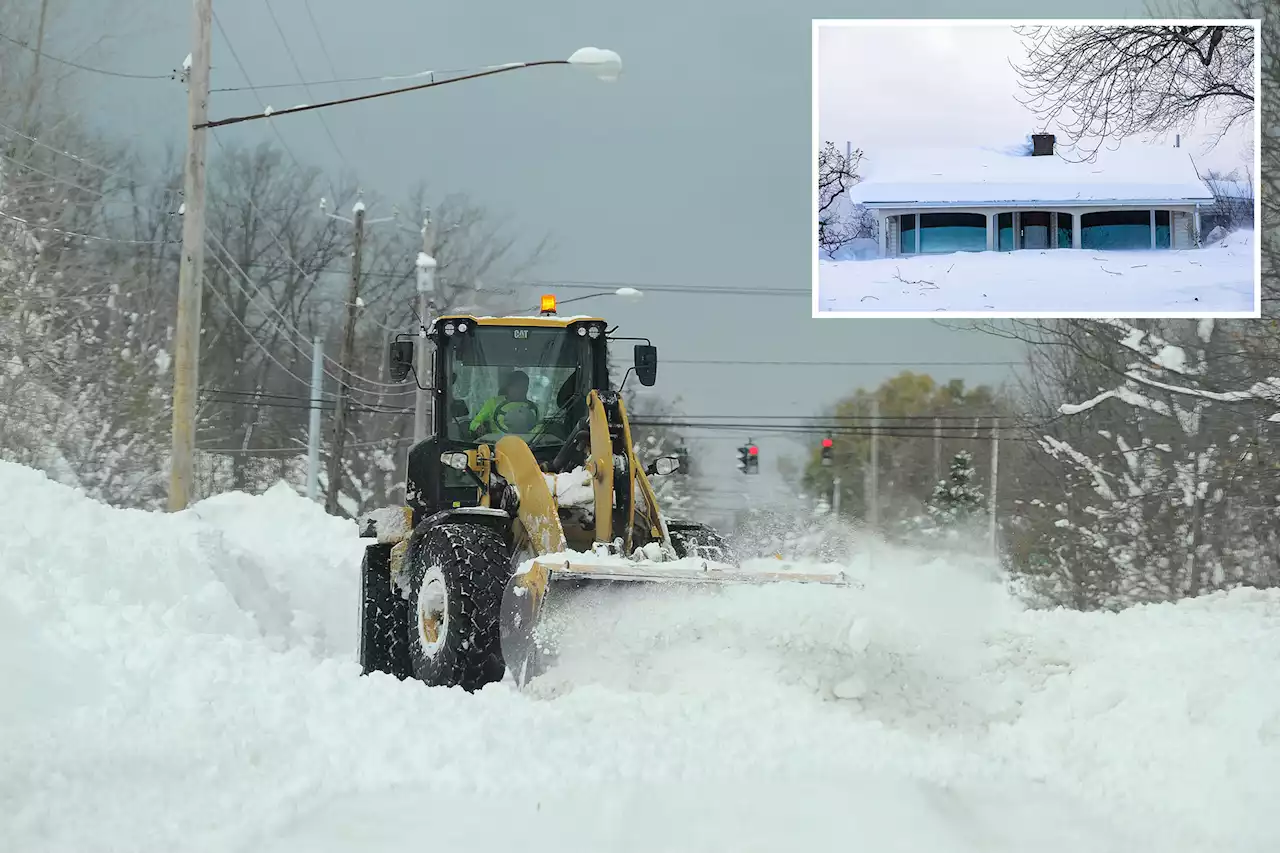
x=1216, y=279
x=188, y=682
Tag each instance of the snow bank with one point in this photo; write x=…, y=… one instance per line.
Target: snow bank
x=1217, y=278
x=274, y=566
x=170, y=696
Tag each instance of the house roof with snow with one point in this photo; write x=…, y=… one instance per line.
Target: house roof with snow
x=978, y=177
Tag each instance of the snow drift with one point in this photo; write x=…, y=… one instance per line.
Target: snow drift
x=188, y=682
x=1218, y=278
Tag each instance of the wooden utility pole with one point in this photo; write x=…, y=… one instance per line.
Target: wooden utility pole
x=994, y=530
x=333, y=487
x=33, y=87
x=937, y=450
x=186, y=333
x=873, y=470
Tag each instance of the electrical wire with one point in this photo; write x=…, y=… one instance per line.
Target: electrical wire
x=172, y=75
x=306, y=383
x=81, y=235
x=289, y=326
x=288, y=49
x=212, y=237
x=784, y=363
x=324, y=48
x=261, y=103
x=309, y=276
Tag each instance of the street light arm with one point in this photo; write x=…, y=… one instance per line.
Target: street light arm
x=625, y=292
x=515, y=66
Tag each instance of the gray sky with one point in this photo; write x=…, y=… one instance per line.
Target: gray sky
x=693, y=169
x=972, y=92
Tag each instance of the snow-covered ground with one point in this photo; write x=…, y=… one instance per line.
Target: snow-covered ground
x=1218, y=278
x=187, y=682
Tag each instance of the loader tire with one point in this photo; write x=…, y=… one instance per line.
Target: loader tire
x=457, y=575
x=697, y=540
x=384, y=617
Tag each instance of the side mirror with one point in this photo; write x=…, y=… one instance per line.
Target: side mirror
x=401, y=360
x=646, y=364
x=664, y=465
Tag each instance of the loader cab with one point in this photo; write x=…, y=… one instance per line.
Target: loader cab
x=497, y=376
x=515, y=376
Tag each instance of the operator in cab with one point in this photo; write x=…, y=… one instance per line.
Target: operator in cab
x=508, y=411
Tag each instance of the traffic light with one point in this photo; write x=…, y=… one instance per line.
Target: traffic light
x=749, y=458
x=827, y=445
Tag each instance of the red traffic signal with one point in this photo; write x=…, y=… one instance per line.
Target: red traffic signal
x=753, y=450
x=826, y=442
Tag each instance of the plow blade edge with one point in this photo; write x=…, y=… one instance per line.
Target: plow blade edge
x=713, y=573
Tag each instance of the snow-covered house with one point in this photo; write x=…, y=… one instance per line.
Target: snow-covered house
x=1032, y=197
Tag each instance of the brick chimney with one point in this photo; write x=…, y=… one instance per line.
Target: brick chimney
x=1042, y=144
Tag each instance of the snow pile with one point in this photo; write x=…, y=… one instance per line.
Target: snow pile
x=273, y=567
x=186, y=682
x=1217, y=279
x=1134, y=172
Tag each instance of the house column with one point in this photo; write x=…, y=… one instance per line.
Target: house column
x=883, y=220
x=1195, y=236
x=1075, y=230
x=1153, y=227
x=991, y=232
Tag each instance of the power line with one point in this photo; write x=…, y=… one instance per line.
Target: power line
x=656, y=287
x=232, y=314
x=288, y=49
x=837, y=418
x=170, y=76
x=82, y=235
x=324, y=49
x=784, y=363
x=265, y=86
x=249, y=81
x=270, y=232
x=294, y=329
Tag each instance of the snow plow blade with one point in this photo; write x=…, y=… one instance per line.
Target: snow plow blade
x=682, y=571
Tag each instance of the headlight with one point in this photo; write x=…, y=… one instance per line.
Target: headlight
x=593, y=332
x=462, y=327
x=582, y=330
x=456, y=459
x=448, y=328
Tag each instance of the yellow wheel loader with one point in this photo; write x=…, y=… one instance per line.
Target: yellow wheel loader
x=528, y=477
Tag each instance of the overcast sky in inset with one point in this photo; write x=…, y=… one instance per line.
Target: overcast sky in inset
x=886, y=86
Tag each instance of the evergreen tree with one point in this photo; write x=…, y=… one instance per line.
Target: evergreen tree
x=956, y=499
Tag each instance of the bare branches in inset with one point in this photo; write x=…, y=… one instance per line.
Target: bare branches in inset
x=1098, y=83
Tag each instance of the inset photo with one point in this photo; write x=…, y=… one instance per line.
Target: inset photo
x=1036, y=168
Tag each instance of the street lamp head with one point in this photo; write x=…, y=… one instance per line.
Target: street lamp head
x=604, y=64
x=628, y=293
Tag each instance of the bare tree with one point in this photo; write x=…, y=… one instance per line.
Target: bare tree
x=1151, y=470
x=1269, y=103
x=1233, y=202
x=838, y=226
x=1098, y=83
